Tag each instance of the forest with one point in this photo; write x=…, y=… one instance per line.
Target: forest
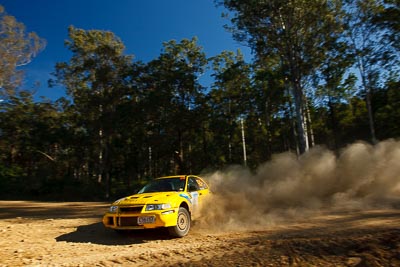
x=323, y=73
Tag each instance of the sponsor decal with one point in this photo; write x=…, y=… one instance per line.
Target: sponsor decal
x=186, y=197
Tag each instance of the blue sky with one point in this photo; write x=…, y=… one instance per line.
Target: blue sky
x=142, y=25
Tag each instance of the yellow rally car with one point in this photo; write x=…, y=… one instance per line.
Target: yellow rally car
x=170, y=202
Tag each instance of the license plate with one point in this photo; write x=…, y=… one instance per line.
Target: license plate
x=146, y=219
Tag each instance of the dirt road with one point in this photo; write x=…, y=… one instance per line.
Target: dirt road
x=71, y=234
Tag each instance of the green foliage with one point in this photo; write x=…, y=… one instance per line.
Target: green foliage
x=125, y=122
x=230, y=101
x=387, y=103
x=17, y=48
x=295, y=32
x=389, y=19
x=98, y=80
x=172, y=105
x=367, y=42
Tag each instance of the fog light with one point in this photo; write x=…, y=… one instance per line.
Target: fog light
x=167, y=212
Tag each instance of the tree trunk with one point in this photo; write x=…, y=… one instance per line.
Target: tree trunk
x=298, y=98
x=309, y=125
x=332, y=115
x=370, y=117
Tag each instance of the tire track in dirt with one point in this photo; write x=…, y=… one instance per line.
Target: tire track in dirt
x=43, y=236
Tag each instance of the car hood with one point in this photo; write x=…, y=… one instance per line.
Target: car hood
x=147, y=198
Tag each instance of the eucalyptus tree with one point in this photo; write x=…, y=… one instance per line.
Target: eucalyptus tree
x=333, y=82
x=30, y=134
x=369, y=49
x=16, y=131
x=174, y=95
x=231, y=102
x=97, y=78
x=387, y=17
x=17, y=48
x=388, y=109
x=295, y=31
x=273, y=109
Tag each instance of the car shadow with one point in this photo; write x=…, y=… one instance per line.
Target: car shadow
x=96, y=233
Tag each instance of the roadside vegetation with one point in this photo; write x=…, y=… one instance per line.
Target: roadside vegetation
x=323, y=73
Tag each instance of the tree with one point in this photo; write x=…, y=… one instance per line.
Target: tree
x=98, y=78
x=387, y=102
x=30, y=142
x=295, y=31
x=273, y=106
x=230, y=101
x=332, y=82
x=173, y=98
x=17, y=48
x=387, y=18
x=366, y=45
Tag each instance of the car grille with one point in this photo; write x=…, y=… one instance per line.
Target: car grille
x=128, y=221
x=134, y=209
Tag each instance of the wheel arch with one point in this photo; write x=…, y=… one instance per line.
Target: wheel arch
x=186, y=206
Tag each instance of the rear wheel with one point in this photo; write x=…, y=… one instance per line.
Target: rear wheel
x=182, y=225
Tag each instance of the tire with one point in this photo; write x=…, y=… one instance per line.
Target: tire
x=182, y=224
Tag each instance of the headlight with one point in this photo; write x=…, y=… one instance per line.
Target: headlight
x=113, y=208
x=158, y=207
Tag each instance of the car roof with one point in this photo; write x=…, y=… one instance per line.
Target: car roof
x=175, y=176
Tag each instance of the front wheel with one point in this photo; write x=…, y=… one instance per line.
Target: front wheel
x=182, y=225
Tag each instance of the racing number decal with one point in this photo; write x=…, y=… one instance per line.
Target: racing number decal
x=200, y=183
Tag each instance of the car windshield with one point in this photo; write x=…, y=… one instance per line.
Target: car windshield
x=164, y=185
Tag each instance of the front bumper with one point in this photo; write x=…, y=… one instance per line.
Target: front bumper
x=129, y=220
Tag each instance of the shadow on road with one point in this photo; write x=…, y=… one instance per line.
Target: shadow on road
x=96, y=234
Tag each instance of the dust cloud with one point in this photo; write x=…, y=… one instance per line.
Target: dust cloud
x=290, y=187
